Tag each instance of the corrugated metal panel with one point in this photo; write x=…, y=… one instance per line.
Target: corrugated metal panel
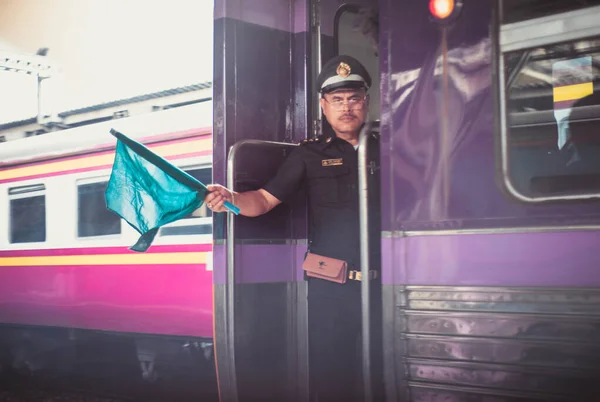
x=497, y=344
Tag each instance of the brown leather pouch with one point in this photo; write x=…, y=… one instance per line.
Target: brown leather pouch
x=327, y=268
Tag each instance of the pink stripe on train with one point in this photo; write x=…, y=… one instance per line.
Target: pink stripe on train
x=153, y=299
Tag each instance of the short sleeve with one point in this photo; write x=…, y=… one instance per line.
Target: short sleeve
x=289, y=177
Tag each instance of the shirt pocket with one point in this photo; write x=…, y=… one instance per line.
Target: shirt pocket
x=326, y=183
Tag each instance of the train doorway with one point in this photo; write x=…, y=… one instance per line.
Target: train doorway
x=260, y=295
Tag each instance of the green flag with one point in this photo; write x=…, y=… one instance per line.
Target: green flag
x=148, y=191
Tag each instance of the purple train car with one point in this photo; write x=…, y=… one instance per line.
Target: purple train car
x=488, y=118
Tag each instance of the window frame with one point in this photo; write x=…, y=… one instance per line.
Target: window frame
x=82, y=182
x=344, y=8
x=192, y=221
x=37, y=190
x=538, y=32
x=375, y=90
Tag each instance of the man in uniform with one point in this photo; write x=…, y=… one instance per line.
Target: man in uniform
x=328, y=166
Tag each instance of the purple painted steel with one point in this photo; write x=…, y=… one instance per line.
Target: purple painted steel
x=268, y=263
x=556, y=259
x=258, y=95
x=389, y=254
x=492, y=329
x=239, y=76
x=219, y=264
x=277, y=14
x=445, y=180
x=281, y=15
x=301, y=11
x=252, y=60
x=330, y=7
x=262, y=263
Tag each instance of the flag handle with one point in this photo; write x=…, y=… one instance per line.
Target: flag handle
x=231, y=207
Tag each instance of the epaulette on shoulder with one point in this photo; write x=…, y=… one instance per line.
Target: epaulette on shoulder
x=310, y=141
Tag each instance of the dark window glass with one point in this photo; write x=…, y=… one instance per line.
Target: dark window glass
x=553, y=110
x=186, y=230
x=27, y=214
x=205, y=176
x=94, y=219
x=356, y=34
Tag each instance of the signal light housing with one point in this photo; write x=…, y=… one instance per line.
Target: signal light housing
x=443, y=11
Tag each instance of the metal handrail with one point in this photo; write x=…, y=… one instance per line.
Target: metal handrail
x=363, y=216
x=230, y=287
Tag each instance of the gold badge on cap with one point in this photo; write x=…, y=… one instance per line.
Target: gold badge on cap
x=343, y=70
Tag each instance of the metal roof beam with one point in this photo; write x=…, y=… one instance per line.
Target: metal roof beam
x=38, y=66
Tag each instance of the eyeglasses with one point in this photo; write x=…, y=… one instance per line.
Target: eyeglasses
x=354, y=102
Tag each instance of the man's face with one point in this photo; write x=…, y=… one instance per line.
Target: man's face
x=345, y=109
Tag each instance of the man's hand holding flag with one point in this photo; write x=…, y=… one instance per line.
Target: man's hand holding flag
x=148, y=192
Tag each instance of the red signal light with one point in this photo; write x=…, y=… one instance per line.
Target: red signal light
x=441, y=9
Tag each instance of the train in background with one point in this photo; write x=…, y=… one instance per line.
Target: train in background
x=65, y=268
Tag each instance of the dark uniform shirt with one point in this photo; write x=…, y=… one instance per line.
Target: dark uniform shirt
x=328, y=167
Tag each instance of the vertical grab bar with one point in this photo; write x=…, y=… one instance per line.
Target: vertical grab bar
x=230, y=289
x=363, y=204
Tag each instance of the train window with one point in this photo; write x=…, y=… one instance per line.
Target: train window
x=198, y=222
x=27, y=214
x=93, y=218
x=550, y=110
x=355, y=34
x=521, y=10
